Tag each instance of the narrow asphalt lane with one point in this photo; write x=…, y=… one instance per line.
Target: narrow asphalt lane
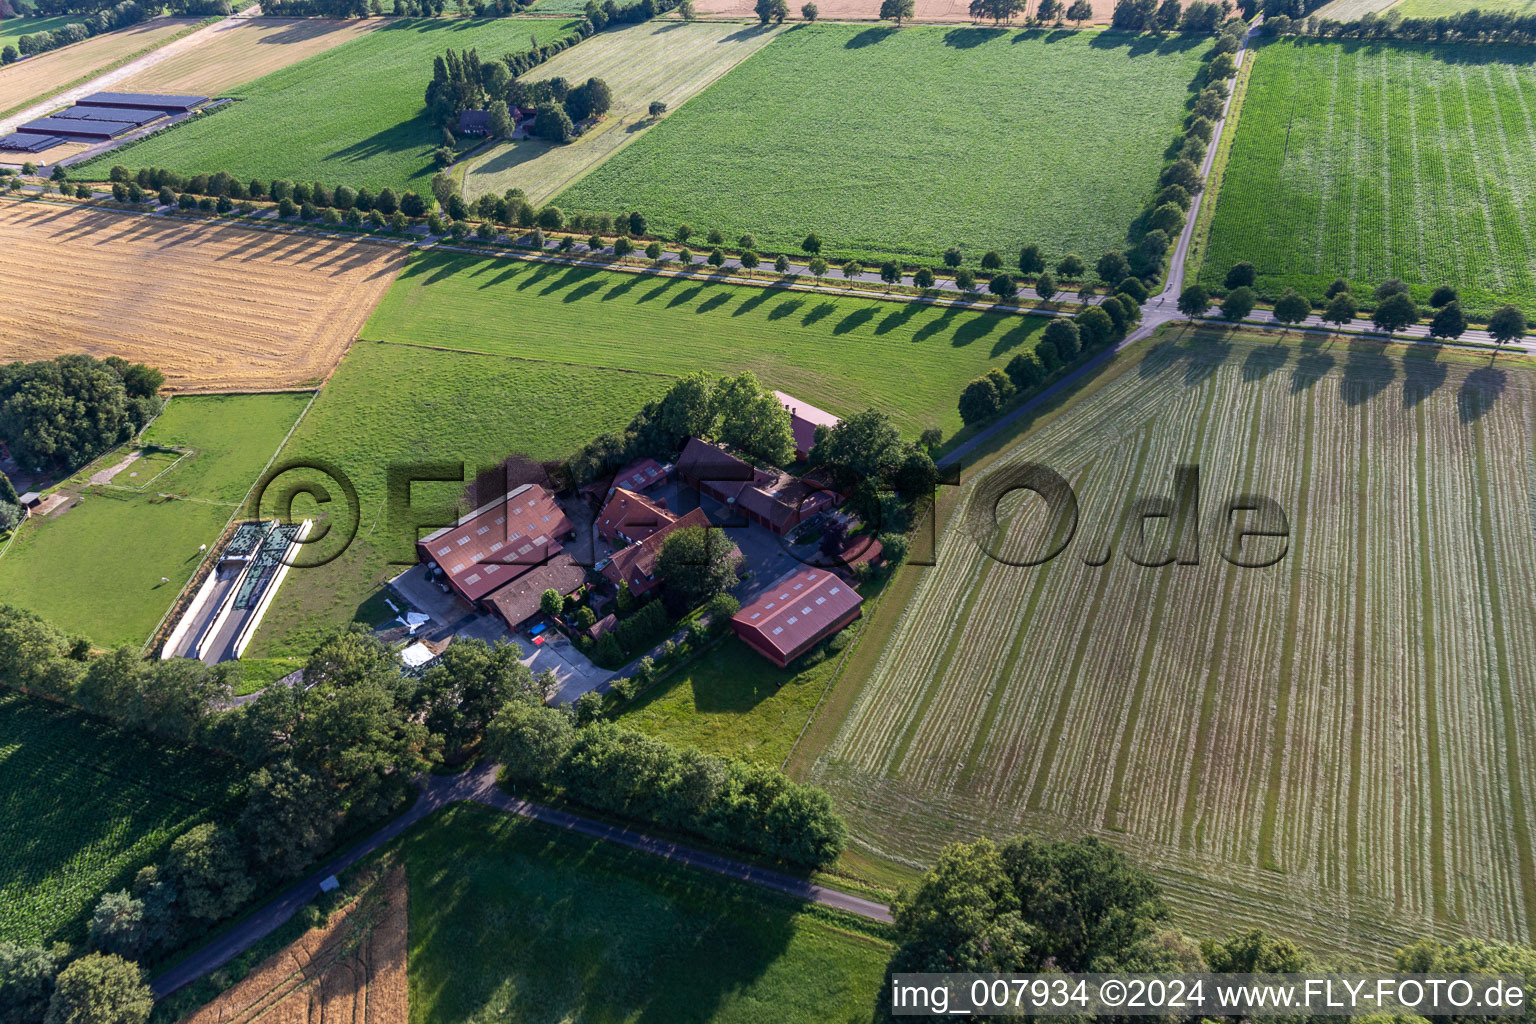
x=479, y=786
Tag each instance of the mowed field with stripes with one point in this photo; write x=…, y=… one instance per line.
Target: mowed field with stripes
x=1384, y=160
x=1335, y=747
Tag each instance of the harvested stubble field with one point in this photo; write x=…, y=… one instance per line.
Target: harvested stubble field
x=841, y=353
x=657, y=60
x=32, y=79
x=351, y=970
x=352, y=115
x=399, y=405
x=865, y=10
x=1385, y=160
x=85, y=805
x=1349, y=10
x=772, y=148
x=1335, y=747
x=247, y=49
x=93, y=568
x=217, y=307
x=1440, y=8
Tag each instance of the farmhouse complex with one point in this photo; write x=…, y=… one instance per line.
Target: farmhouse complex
x=702, y=511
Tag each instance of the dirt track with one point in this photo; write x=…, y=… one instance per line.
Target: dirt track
x=216, y=306
x=351, y=971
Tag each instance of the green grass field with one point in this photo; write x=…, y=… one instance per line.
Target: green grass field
x=86, y=805
x=351, y=115
x=95, y=569
x=731, y=701
x=513, y=920
x=903, y=143
x=1332, y=747
x=1440, y=8
x=12, y=29
x=399, y=405
x=842, y=354
x=1389, y=160
x=657, y=60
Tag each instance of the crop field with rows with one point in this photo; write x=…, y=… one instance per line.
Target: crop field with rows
x=1335, y=747
x=902, y=143
x=85, y=806
x=352, y=115
x=1392, y=160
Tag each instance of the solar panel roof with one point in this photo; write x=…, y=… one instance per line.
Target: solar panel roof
x=147, y=100
x=30, y=142
x=77, y=128
x=80, y=112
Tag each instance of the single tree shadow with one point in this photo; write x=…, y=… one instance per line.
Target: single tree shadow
x=1262, y=362
x=869, y=37
x=786, y=308
x=937, y=325
x=974, y=329
x=714, y=302
x=897, y=317
x=853, y=321
x=1310, y=369
x=818, y=312
x=968, y=38
x=1366, y=375
x=581, y=291
x=1014, y=337
x=1423, y=375
x=1479, y=391
x=686, y=296
x=757, y=298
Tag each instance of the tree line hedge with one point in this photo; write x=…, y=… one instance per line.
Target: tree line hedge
x=749, y=807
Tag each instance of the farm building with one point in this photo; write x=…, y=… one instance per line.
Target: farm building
x=804, y=418
x=799, y=611
x=770, y=498
x=144, y=101
x=498, y=542
x=640, y=475
x=474, y=122
x=629, y=517
x=636, y=564
x=519, y=601
x=77, y=129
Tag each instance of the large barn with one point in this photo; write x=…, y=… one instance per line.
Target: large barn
x=498, y=542
x=799, y=611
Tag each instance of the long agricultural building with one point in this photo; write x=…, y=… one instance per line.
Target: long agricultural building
x=100, y=117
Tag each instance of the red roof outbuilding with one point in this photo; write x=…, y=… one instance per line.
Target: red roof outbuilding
x=498, y=542
x=795, y=614
x=629, y=517
x=803, y=421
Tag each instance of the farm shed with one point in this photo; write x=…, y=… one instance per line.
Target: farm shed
x=144, y=101
x=800, y=610
x=629, y=518
x=771, y=498
x=498, y=542
x=804, y=418
x=474, y=122
x=77, y=129
x=519, y=601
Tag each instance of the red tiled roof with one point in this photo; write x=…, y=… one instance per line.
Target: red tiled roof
x=803, y=421
x=630, y=517
x=498, y=542
x=775, y=497
x=799, y=610
x=636, y=564
x=520, y=600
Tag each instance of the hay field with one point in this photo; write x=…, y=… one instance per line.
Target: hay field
x=216, y=307
x=849, y=130
x=1392, y=160
x=351, y=970
x=869, y=10
x=246, y=50
x=1349, y=10
x=1439, y=8
x=1335, y=748
x=37, y=77
x=657, y=60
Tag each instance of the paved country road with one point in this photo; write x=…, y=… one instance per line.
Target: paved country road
x=479, y=786
x=107, y=79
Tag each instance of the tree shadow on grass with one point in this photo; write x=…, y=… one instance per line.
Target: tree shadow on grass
x=581, y=291
x=977, y=327
x=853, y=321
x=1014, y=337
x=630, y=282
x=938, y=324
x=820, y=311
x=1160, y=357
x=686, y=296
x=1141, y=44
x=1423, y=375
x=869, y=37
x=666, y=285
x=787, y=308
x=714, y=302
x=1479, y=391
x=969, y=38
x=757, y=298
x=897, y=317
